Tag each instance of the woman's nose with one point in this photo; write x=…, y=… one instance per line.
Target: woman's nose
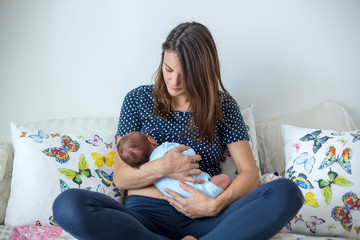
x=176, y=79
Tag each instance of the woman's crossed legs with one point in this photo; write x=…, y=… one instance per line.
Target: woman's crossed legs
x=259, y=215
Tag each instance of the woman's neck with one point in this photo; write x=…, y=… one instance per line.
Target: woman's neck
x=181, y=104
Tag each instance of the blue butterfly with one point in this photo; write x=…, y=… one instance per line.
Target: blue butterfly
x=288, y=226
x=64, y=186
x=317, y=141
x=356, y=137
x=290, y=171
x=117, y=192
x=106, y=179
x=100, y=189
x=39, y=137
x=306, y=160
x=302, y=181
x=52, y=221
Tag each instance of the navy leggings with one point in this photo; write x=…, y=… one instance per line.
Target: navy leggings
x=259, y=215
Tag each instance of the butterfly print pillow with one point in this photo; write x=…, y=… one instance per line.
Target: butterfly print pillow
x=48, y=163
x=325, y=164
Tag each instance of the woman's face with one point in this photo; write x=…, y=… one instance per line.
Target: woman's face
x=171, y=69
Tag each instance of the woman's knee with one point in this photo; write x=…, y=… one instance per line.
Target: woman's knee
x=67, y=204
x=291, y=195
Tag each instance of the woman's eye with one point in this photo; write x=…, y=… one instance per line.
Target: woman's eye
x=168, y=70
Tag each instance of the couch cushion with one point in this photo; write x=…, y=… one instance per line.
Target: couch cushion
x=327, y=115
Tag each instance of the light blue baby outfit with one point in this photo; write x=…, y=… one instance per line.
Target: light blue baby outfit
x=209, y=188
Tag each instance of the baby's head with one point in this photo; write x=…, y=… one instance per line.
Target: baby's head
x=135, y=148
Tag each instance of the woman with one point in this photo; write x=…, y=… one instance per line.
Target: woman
x=187, y=104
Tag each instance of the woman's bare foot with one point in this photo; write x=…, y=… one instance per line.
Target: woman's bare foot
x=189, y=238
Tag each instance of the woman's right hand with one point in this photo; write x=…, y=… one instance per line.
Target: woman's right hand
x=178, y=166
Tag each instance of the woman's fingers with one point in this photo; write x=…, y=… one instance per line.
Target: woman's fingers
x=194, y=180
x=195, y=206
x=175, y=201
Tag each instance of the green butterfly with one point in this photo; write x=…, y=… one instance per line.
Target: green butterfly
x=76, y=176
x=334, y=178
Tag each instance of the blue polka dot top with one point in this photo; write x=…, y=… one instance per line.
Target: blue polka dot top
x=136, y=113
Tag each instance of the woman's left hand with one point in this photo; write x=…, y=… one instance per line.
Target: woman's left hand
x=196, y=206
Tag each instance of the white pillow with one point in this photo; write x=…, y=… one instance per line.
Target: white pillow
x=325, y=164
x=47, y=163
x=327, y=115
x=227, y=164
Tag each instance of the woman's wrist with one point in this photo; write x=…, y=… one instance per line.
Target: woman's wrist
x=157, y=167
x=218, y=205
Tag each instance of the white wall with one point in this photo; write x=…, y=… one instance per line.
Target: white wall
x=67, y=58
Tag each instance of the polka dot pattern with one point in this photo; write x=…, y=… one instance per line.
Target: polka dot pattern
x=136, y=113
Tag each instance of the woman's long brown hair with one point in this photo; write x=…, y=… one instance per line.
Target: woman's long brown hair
x=198, y=56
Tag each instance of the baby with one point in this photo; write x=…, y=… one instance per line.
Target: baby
x=136, y=148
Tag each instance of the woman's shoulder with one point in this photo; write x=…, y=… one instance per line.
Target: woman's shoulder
x=227, y=99
x=141, y=90
x=138, y=93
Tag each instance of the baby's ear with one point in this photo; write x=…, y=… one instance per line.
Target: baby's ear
x=152, y=140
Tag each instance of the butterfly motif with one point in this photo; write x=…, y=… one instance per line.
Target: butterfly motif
x=297, y=146
x=117, y=192
x=343, y=141
x=356, y=136
x=23, y=134
x=314, y=136
x=302, y=181
x=343, y=214
x=108, y=145
x=288, y=226
x=343, y=160
x=310, y=200
x=76, y=176
x=64, y=186
x=54, y=135
x=38, y=223
x=100, y=189
x=52, y=221
x=100, y=159
x=306, y=160
x=95, y=141
x=106, y=179
x=39, y=137
x=314, y=221
x=299, y=218
x=325, y=185
x=331, y=226
x=338, y=133
x=357, y=230
x=290, y=171
x=61, y=153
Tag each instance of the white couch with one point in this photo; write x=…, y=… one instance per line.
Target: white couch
x=267, y=144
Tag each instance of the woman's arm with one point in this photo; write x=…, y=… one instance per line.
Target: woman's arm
x=173, y=165
x=199, y=205
x=247, y=179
